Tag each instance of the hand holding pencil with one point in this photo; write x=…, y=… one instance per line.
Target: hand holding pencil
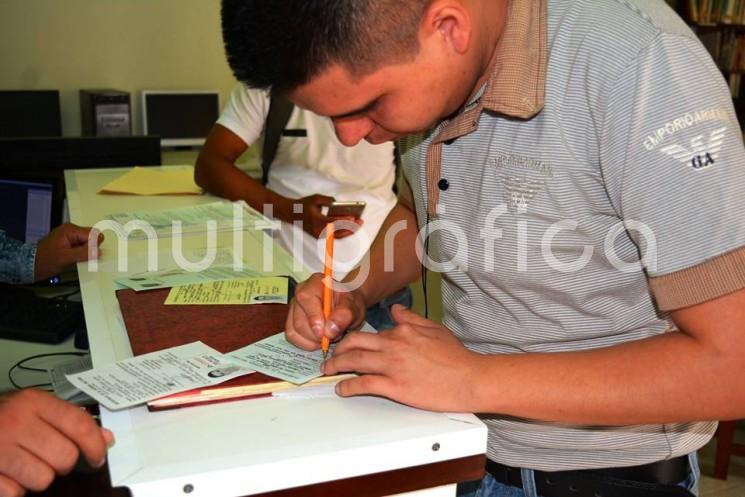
x=319, y=315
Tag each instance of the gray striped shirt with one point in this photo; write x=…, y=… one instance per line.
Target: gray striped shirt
x=553, y=225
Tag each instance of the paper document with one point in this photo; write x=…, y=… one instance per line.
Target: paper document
x=226, y=216
x=271, y=290
x=155, y=181
x=275, y=356
x=143, y=378
x=179, y=277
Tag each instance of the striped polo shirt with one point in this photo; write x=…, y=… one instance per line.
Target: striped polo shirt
x=595, y=183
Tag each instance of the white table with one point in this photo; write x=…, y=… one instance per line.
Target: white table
x=252, y=446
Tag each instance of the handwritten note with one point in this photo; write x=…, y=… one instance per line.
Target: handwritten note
x=272, y=290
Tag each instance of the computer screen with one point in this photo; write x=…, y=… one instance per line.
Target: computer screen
x=26, y=209
x=179, y=118
x=30, y=113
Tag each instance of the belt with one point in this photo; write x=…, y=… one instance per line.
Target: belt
x=649, y=480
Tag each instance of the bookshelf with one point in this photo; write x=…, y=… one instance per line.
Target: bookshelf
x=720, y=25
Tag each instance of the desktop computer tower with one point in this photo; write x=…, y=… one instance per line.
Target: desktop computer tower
x=105, y=113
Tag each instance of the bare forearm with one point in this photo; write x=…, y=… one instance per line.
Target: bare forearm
x=222, y=178
x=669, y=378
x=393, y=261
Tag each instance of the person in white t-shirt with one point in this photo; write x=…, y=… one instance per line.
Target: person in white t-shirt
x=310, y=170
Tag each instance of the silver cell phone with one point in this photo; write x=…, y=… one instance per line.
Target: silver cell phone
x=349, y=208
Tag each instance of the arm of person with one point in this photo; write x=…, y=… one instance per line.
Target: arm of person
x=392, y=262
x=216, y=172
x=679, y=376
x=41, y=437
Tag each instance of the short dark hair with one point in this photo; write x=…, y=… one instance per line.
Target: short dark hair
x=282, y=44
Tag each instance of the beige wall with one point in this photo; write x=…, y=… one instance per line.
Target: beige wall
x=127, y=45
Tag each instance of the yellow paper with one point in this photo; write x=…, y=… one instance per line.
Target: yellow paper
x=149, y=181
x=238, y=291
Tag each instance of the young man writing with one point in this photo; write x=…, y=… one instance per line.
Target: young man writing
x=591, y=310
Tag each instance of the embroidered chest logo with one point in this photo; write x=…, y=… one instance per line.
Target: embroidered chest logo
x=702, y=154
x=522, y=178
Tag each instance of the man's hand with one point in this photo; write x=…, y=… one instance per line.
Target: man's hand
x=419, y=363
x=305, y=322
x=62, y=247
x=311, y=215
x=42, y=436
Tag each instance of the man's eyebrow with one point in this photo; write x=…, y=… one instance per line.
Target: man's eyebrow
x=355, y=112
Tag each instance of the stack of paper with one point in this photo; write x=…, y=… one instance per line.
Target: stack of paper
x=224, y=216
x=152, y=181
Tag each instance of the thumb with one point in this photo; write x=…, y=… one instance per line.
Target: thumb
x=108, y=437
x=322, y=200
x=403, y=315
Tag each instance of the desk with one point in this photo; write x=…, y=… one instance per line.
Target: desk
x=13, y=351
x=369, y=446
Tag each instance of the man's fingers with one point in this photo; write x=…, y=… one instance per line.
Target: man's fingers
x=25, y=468
x=108, y=436
x=298, y=331
x=51, y=447
x=364, y=385
x=80, y=254
x=10, y=488
x=356, y=361
x=403, y=315
x=79, y=427
x=310, y=303
x=76, y=235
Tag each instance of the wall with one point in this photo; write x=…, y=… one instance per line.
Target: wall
x=127, y=45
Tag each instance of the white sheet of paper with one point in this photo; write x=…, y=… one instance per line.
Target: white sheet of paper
x=143, y=378
x=169, y=278
x=310, y=392
x=277, y=357
x=194, y=219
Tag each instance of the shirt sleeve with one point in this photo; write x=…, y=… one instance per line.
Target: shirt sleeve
x=245, y=113
x=673, y=163
x=16, y=260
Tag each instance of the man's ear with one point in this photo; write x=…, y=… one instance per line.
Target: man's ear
x=451, y=21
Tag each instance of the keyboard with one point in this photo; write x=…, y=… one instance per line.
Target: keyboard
x=28, y=317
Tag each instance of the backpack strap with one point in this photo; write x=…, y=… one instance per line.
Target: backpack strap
x=280, y=110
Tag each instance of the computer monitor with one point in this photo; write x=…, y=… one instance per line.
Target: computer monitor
x=30, y=205
x=30, y=113
x=180, y=118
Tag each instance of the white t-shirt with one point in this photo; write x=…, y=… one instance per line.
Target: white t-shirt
x=318, y=163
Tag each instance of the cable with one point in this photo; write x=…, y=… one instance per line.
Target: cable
x=21, y=365
x=66, y=296
x=424, y=267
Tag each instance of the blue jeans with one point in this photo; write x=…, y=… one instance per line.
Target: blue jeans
x=489, y=487
x=379, y=315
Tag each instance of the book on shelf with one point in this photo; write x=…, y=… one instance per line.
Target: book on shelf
x=151, y=325
x=714, y=12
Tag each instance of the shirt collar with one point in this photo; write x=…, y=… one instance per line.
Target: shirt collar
x=517, y=81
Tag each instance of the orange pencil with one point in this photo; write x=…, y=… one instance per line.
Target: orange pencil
x=328, y=280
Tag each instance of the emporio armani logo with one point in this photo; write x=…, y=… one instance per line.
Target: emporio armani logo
x=701, y=155
x=518, y=191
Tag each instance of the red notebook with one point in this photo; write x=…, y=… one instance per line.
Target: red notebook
x=152, y=326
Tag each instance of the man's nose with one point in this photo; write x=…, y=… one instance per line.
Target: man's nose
x=351, y=131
